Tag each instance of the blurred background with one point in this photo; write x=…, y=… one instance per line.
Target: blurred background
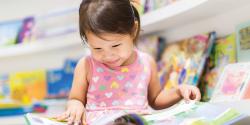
x=192, y=41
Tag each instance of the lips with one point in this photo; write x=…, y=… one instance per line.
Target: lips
x=113, y=62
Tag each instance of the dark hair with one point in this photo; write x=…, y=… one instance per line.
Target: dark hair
x=108, y=16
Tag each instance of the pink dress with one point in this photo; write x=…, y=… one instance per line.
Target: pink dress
x=122, y=88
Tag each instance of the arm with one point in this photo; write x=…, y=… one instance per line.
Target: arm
x=77, y=97
x=80, y=83
x=160, y=98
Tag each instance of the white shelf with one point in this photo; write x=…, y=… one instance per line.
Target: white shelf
x=42, y=45
x=17, y=9
x=178, y=14
x=186, y=11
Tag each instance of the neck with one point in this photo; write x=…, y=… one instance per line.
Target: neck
x=131, y=59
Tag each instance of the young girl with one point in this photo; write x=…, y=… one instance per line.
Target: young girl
x=116, y=76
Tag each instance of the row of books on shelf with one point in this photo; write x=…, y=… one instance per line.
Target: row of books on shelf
x=28, y=87
x=145, y=6
x=33, y=28
x=200, y=59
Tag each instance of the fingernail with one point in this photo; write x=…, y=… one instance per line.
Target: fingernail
x=70, y=122
x=77, y=123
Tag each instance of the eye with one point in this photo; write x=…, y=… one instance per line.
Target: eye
x=97, y=48
x=116, y=45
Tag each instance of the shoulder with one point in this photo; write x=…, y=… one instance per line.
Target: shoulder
x=83, y=66
x=147, y=57
x=82, y=63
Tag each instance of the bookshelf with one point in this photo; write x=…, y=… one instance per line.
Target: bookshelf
x=173, y=22
x=164, y=19
x=42, y=45
x=187, y=11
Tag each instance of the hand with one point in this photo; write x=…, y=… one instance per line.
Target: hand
x=74, y=114
x=189, y=92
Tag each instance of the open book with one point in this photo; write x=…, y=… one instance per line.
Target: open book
x=183, y=113
x=34, y=119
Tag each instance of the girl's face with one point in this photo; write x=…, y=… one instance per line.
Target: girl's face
x=112, y=50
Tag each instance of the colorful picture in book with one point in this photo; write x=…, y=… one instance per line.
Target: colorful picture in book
x=243, y=42
x=232, y=82
x=183, y=61
x=28, y=86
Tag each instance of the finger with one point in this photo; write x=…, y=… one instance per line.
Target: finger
x=72, y=117
x=187, y=95
x=197, y=94
x=84, y=122
x=78, y=117
x=65, y=115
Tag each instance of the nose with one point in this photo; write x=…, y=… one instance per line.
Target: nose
x=108, y=55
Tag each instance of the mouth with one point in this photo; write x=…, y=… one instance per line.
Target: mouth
x=113, y=62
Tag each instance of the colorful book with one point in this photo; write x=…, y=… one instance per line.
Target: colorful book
x=183, y=61
x=223, y=53
x=243, y=42
x=139, y=5
x=58, y=84
x=4, y=87
x=9, y=32
x=27, y=87
x=155, y=45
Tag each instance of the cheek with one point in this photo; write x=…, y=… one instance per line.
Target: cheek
x=126, y=54
x=96, y=56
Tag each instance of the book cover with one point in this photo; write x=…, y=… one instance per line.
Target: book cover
x=243, y=42
x=57, y=87
x=28, y=86
x=149, y=45
x=68, y=69
x=9, y=32
x=232, y=82
x=223, y=53
x=25, y=33
x=4, y=87
x=139, y=5
x=183, y=61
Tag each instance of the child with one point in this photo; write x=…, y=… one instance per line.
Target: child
x=116, y=76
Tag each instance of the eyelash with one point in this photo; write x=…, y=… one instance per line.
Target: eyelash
x=112, y=46
x=116, y=45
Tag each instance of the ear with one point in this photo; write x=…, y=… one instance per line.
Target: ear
x=136, y=26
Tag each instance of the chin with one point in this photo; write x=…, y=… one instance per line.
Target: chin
x=114, y=65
